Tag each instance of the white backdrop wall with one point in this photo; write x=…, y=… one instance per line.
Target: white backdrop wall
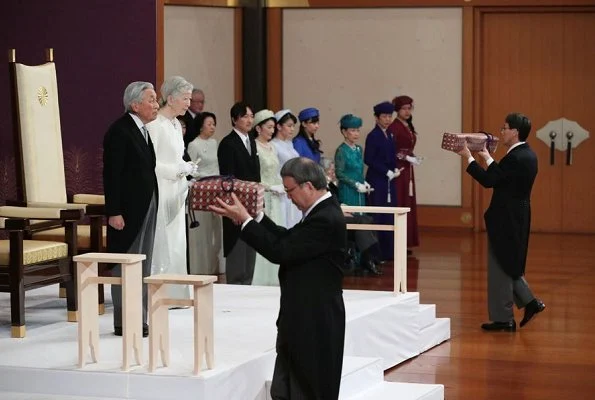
x=346, y=60
x=199, y=45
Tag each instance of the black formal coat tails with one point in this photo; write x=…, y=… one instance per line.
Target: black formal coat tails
x=235, y=160
x=508, y=217
x=129, y=180
x=311, y=323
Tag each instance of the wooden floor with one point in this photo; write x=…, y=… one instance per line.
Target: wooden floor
x=552, y=357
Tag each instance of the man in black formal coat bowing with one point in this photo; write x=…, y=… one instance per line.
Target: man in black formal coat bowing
x=311, y=323
x=237, y=156
x=508, y=223
x=130, y=187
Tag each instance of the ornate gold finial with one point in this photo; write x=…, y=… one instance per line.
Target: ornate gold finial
x=49, y=54
x=42, y=95
x=12, y=55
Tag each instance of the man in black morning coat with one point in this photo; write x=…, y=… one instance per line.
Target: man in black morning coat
x=311, y=323
x=508, y=223
x=130, y=187
x=237, y=156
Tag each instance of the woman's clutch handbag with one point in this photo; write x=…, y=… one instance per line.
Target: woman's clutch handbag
x=204, y=192
x=475, y=141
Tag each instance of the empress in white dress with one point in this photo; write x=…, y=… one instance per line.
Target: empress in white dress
x=265, y=272
x=204, y=241
x=169, y=250
x=286, y=152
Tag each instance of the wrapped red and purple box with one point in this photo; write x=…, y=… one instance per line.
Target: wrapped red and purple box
x=204, y=192
x=475, y=141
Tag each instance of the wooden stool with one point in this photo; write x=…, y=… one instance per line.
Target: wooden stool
x=203, y=317
x=132, y=308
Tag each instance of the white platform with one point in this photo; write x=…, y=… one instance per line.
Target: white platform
x=382, y=331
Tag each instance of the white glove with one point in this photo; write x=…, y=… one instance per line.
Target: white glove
x=277, y=189
x=413, y=160
x=186, y=168
x=367, y=185
x=391, y=175
x=361, y=188
x=397, y=172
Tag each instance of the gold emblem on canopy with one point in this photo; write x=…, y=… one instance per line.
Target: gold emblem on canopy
x=42, y=95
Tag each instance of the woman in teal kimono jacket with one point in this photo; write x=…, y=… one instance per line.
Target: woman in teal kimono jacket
x=349, y=164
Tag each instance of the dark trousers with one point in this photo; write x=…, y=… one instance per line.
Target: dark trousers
x=503, y=291
x=239, y=264
x=143, y=244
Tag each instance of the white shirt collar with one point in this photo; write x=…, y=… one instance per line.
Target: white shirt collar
x=242, y=136
x=192, y=113
x=513, y=146
x=320, y=199
x=137, y=121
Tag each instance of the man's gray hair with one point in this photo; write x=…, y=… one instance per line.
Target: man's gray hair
x=304, y=170
x=326, y=163
x=174, y=86
x=134, y=93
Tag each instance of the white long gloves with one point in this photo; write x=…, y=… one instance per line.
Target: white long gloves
x=187, y=168
x=363, y=187
x=393, y=174
x=413, y=160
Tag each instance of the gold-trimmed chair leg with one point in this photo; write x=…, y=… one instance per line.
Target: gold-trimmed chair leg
x=18, y=331
x=72, y=316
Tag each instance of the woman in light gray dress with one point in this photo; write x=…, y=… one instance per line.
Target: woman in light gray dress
x=204, y=241
x=282, y=141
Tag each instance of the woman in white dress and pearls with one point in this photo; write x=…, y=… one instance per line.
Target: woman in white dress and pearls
x=205, y=240
x=283, y=143
x=169, y=251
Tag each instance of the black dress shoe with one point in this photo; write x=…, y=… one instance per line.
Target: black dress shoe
x=509, y=326
x=534, y=307
x=118, y=330
x=371, y=268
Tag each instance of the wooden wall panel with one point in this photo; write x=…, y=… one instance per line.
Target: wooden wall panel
x=381, y=3
x=521, y=70
x=274, y=52
x=238, y=43
x=578, y=186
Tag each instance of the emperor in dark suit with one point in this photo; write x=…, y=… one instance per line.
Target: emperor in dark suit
x=237, y=156
x=130, y=186
x=311, y=323
x=508, y=223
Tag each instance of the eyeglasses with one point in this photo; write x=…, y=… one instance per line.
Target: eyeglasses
x=289, y=190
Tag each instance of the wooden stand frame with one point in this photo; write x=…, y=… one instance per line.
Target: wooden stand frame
x=132, y=287
x=159, y=303
x=399, y=227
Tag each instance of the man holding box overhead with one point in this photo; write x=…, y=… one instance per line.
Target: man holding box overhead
x=508, y=222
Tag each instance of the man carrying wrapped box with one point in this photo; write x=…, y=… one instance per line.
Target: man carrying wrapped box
x=508, y=223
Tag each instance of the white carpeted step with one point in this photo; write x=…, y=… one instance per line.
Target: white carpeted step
x=434, y=334
x=358, y=375
x=426, y=315
x=402, y=391
x=32, y=396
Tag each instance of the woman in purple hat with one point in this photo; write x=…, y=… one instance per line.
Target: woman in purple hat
x=381, y=159
x=305, y=143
